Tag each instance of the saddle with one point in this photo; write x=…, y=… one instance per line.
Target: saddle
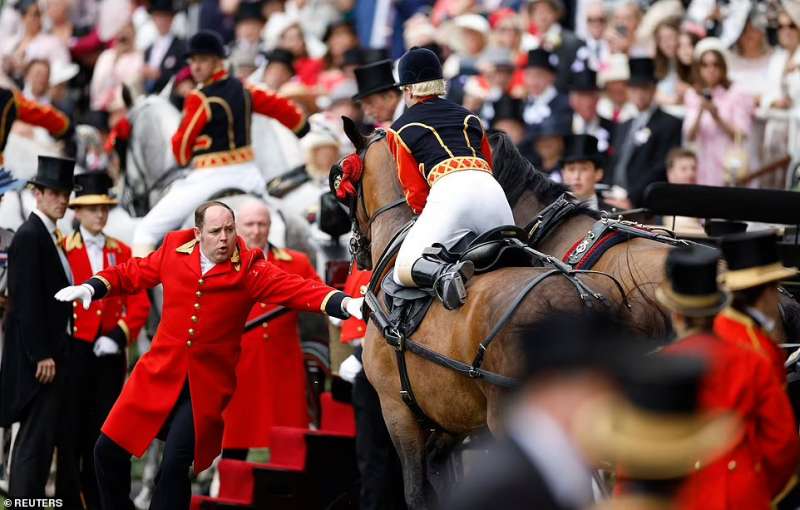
x=495, y=249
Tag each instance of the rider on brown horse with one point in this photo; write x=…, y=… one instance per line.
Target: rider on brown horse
x=444, y=165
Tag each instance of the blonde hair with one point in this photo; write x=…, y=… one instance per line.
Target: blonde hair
x=428, y=88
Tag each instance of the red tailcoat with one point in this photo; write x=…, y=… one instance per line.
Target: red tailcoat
x=356, y=285
x=271, y=376
x=737, y=327
x=125, y=315
x=199, y=335
x=759, y=466
x=15, y=106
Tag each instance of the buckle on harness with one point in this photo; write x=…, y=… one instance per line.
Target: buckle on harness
x=395, y=339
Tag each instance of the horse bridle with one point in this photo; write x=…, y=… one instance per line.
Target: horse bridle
x=360, y=244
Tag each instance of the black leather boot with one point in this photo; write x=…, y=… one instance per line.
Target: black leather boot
x=448, y=281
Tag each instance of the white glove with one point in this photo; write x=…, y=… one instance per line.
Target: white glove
x=350, y=368
x=83, y=292
x=353, y=307
x=104, y=346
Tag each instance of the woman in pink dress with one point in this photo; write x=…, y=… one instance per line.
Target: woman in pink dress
x=718, y=117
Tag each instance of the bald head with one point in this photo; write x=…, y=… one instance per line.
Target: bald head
x=253, y=223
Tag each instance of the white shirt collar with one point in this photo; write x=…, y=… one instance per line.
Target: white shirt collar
x=48, y=223
x=97, y=240
x=205, y=263
x=546, y=445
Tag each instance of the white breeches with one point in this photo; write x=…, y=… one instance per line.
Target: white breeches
x=186, y=194
x=466, y=200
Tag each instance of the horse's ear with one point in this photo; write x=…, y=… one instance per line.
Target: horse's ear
x=351, y=130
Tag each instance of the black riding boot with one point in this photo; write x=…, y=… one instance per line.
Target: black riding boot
x=448, y=281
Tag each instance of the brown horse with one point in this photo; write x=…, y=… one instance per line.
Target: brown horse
x=638, y=264
x=458, y=405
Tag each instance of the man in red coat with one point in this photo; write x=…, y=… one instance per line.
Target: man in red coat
x=101, y=334
x=180, y=387
x=754, y=270
x=759, y=466
x=270, y=376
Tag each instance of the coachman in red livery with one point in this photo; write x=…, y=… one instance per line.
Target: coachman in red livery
x=180, y=387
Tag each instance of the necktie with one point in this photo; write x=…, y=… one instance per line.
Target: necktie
x=59, y=248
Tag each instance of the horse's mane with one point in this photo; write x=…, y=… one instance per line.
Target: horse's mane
x=517, y=175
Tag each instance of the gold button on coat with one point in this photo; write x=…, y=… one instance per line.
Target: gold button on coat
x=188, y=343
x=191, y=331
x=99, y=312
x=198, y=293
x=731, y=465
x=194, y=318
x=200, y=281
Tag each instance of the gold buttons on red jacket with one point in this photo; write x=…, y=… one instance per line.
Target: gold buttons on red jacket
x=188, y=343
x=731, y=465
x=191, y=331
x=198, y=293
x=194, y=318
x=200, y=281
x=197, y=306
x=99, y=312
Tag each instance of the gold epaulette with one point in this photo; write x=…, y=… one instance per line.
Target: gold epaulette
x=282, y=255
x=186, y=248
x=73, y=242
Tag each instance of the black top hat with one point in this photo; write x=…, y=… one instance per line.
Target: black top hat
x=508, y=108
x=582, y=148
x=206, y=42
x=753, y=260
x=281, y=56
x=161, y=6
x=374, y=78
x=583, y=80
x=542, y=59
x=642, y=71
x=419, y=65
x=94, y=190
x=334, y=25
x=55, y=173
x=691, y=287
x=554, y=125
x=250, y=11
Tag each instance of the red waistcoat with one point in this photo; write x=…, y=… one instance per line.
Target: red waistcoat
x=128, y=313
x=738, y=328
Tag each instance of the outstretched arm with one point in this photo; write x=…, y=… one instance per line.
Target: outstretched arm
x=269, y=283
x=131, y=277
x=279, y=108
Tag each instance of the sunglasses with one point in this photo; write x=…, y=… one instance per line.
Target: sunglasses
x=787, y=25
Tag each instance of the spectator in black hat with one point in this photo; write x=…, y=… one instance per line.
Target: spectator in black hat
x=164, y=57
x=583, y=169
x=33, y=374
x=758, y=465
x=507, y=117
x=543, y=100
x=551, y=36
x=279, y=68
x=548, y=146
x=378, y=92
x=537, y=461
x=250, y=23
x=642, y=143
x=584, y=94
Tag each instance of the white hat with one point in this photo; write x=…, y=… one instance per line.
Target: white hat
x=792, y=8
x=474, y=22
x=62, y=72
x=660, y=11
x=709, y=44
x=614, y=68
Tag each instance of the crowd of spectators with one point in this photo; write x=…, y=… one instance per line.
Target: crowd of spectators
x=718, y=78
